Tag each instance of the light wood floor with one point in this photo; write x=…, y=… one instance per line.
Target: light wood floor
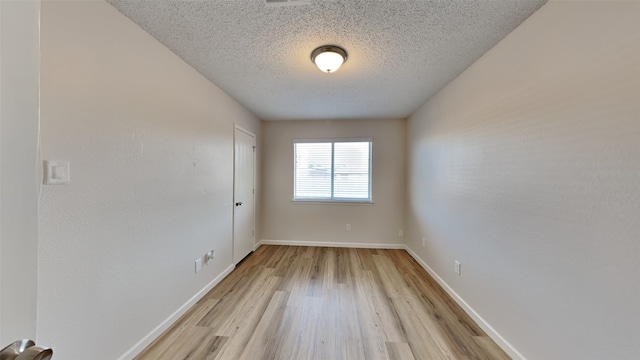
x=298, y=303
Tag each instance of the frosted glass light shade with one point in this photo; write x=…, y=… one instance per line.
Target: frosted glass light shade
x=329, y=61
x=329, y=58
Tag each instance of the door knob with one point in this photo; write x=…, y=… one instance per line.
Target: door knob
x=239, y=203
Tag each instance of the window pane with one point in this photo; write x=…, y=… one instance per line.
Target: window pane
x=312, y=170
x=351, y=178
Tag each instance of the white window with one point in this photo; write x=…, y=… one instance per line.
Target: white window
x=332, y=170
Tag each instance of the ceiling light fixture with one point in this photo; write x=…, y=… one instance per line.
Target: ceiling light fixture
x=329, y=58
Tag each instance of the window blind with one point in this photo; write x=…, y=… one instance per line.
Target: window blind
x=332, y=170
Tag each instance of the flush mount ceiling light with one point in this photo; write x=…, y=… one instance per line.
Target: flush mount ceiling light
x=329, y=58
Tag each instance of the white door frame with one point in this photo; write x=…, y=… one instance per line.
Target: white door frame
x=237, y=127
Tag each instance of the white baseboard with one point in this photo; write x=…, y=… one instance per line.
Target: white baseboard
x=493, y=334
x=330, y=244
x=155, y=333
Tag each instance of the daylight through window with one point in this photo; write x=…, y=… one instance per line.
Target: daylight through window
x=332, y=170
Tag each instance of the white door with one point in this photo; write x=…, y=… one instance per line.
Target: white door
x=243, y=194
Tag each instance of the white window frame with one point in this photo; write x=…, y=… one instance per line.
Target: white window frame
x=332, y=199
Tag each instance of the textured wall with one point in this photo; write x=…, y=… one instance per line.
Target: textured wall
x=526, y=169
x=378, y=223
x=150, y=146
x=19, y=182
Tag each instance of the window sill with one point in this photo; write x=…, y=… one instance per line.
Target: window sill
x=332, y=202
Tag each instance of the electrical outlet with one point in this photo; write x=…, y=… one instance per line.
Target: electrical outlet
x=348, y=227
x=424, y=242
x=400, y=233
x=457, y=267
x=208, y=257
x=198, y=265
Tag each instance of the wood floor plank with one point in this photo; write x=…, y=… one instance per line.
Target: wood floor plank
x=329, y=272
x=326, y=339
x=264, y=336
x=429, y=326
x=188, y=343
x=422, y=344
x=228, y=304
x=311, y=303
x=296, y=281
x=390, y=278
x=399, y=351
x=371, y=325
x=311, y=312
x=248, y=308
x=288, y=333
x=180, y=330
x=492, y=349
x=343, y=269
x=349, y=331
x=316, y=277
x=240, y=329
x=452, y=319
x=208, y=348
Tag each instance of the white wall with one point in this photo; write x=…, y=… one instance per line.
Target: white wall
x=19, y=70
x=149, y=141
x=379, y=223
x=526, y=168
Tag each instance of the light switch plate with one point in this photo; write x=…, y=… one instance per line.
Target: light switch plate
x=56, y=172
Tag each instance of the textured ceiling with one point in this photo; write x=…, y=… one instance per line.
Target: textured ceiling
x=401, y=52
